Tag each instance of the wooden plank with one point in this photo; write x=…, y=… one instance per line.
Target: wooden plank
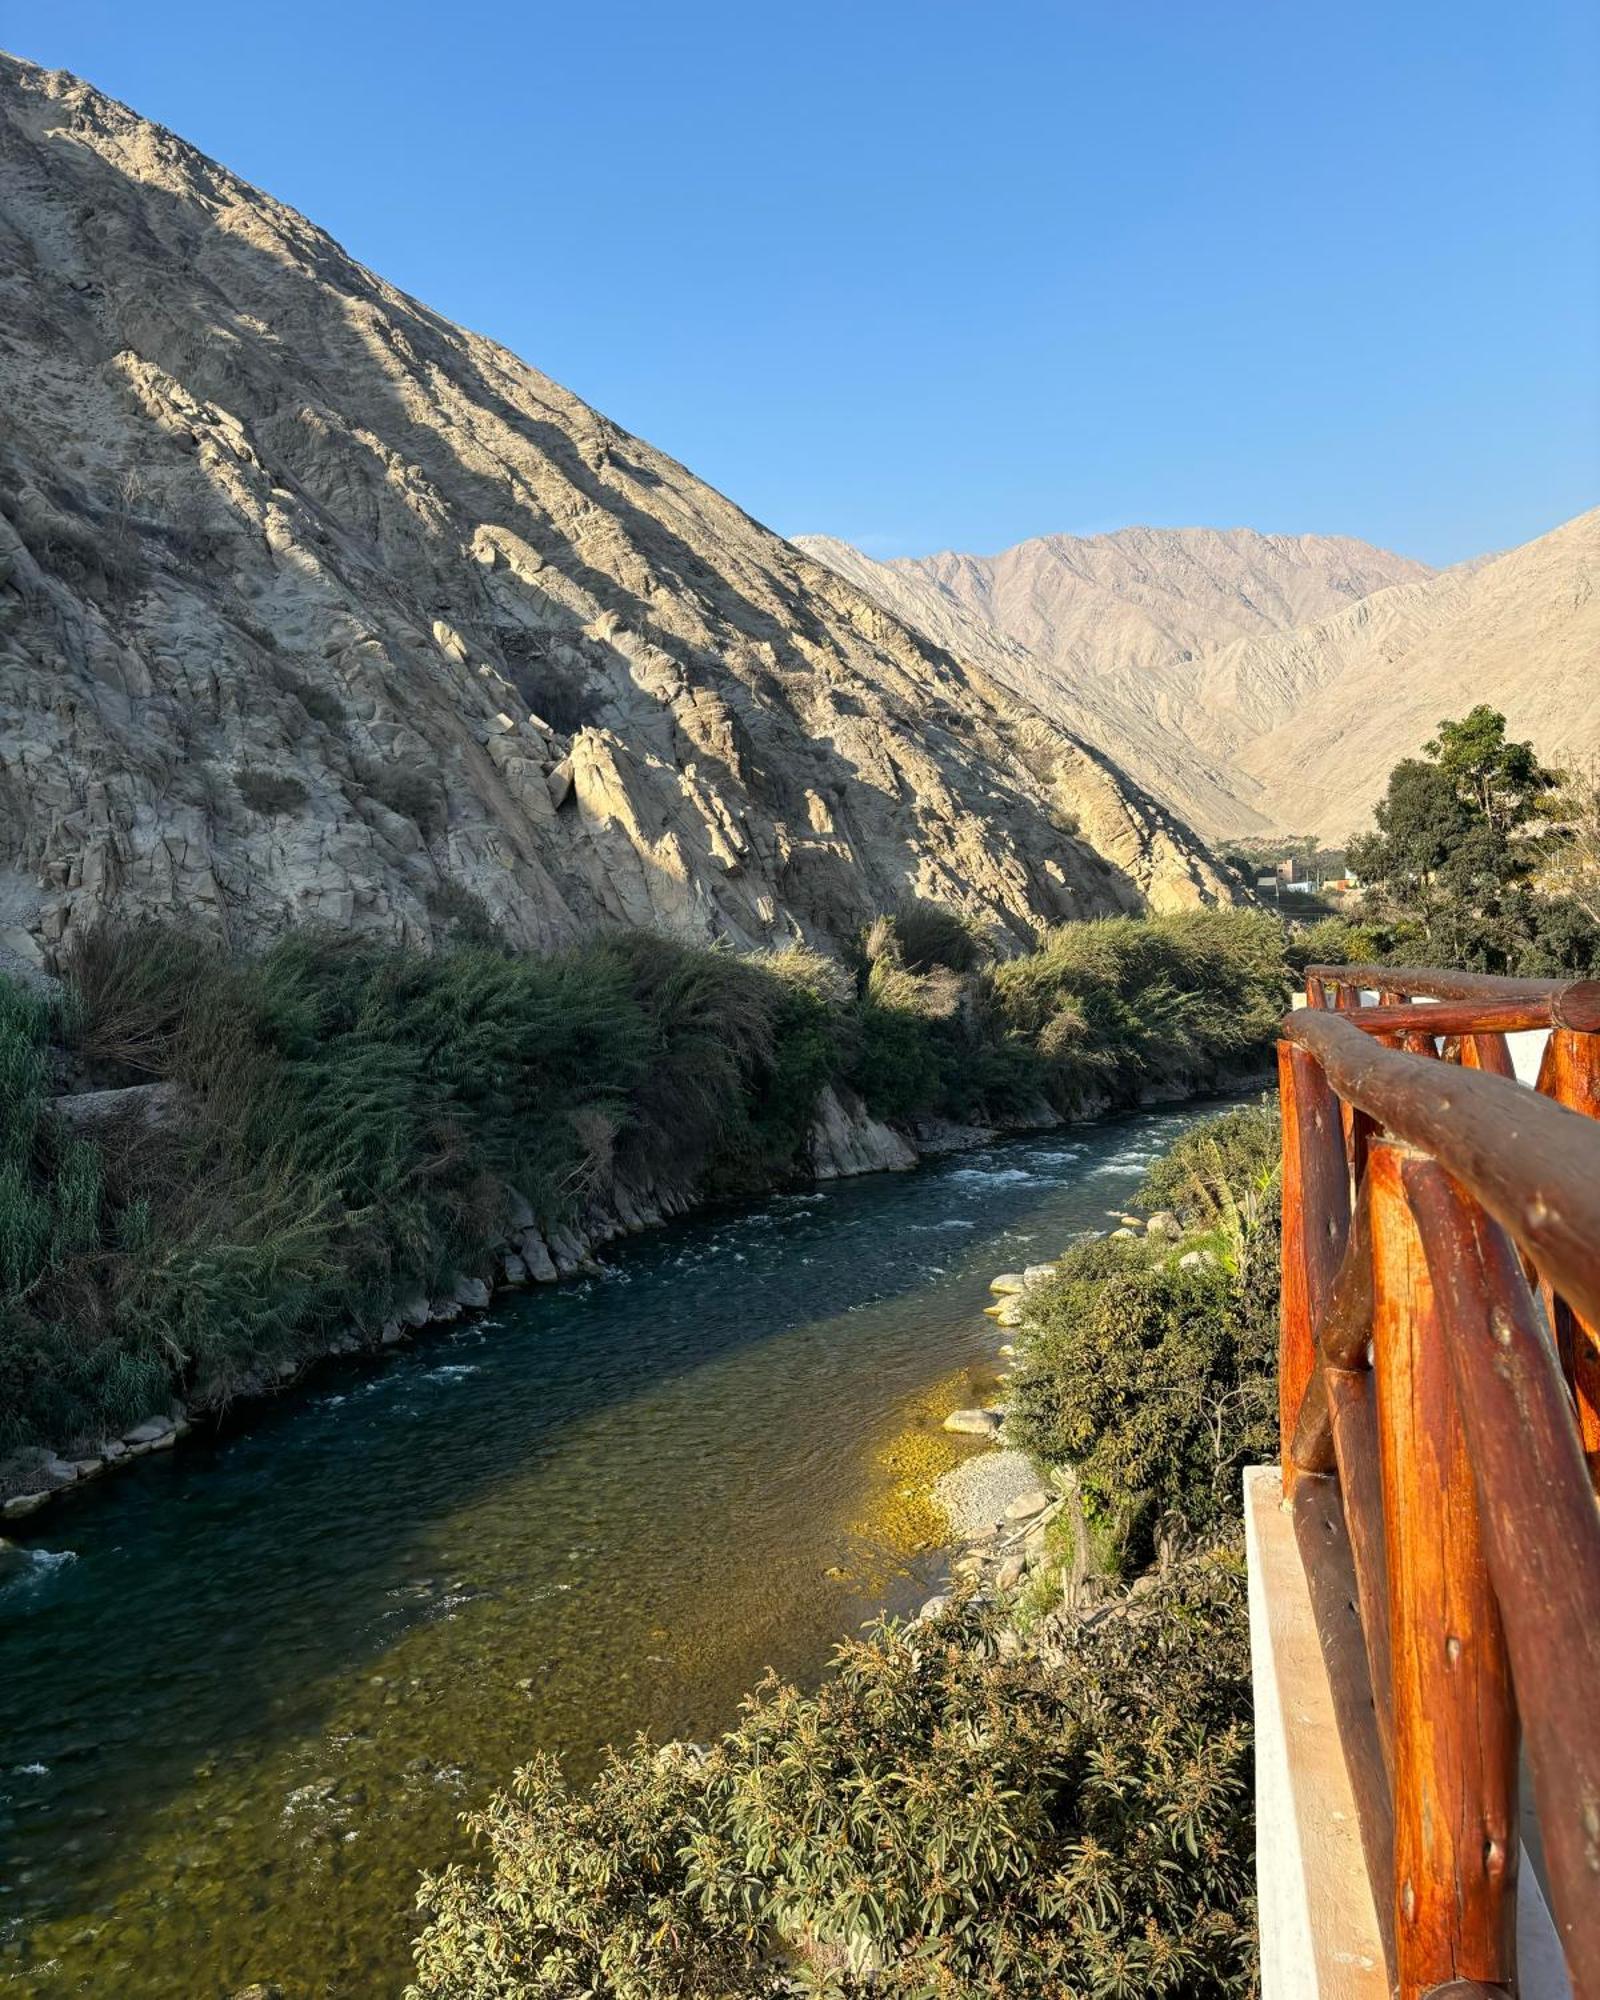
x=1455, y=1730
x=1316, y=1221
x=1319, y=1526
x=1541, y=1535
x=1533, y=1164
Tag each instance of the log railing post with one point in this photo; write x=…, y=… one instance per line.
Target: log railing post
x=1455, y=1729
x=1570, y=1073
x=1316, y=1224
x=1541, y=1536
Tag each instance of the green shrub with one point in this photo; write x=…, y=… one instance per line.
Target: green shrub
x=944, y=1816
x=413, y=795
x=463, y=913
x=928, y=935
x=1155, y=1379
x=270, y=792
x=1158, y=999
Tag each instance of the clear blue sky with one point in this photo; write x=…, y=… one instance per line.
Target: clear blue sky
x=947, y=275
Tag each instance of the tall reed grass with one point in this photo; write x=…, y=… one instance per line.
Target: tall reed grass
x=352, y=1119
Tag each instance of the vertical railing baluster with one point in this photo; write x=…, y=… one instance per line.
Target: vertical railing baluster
x=1316, y=1224
x=1455, y=1731
x=1570, y=1073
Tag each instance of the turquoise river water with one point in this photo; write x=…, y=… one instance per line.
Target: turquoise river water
x=247, y=1687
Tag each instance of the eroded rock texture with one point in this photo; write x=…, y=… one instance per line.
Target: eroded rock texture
x=316, y=606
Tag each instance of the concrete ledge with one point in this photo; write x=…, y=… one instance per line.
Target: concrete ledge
x=1319, y=1930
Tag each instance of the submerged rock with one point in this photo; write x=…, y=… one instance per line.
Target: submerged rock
x=973, y=1423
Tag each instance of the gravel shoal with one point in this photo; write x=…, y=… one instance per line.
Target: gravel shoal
x=976, y=1493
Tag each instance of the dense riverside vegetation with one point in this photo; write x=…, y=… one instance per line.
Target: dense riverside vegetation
x=346, y=1121
x=1152, y=1373
x=958, y=1810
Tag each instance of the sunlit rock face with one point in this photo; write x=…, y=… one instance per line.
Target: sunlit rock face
x=314, y=606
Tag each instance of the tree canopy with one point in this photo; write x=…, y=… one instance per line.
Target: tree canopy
x=1456, y=862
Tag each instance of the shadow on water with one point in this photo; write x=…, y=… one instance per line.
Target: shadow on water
x=246, y=1687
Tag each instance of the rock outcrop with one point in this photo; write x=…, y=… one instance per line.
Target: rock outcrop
x=314, y=606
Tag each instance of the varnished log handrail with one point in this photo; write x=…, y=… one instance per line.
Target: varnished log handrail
x=1455, y=1017
x=1534, y=1165
x=1449, y=999
x=1436, y=982
x=1440, y=1444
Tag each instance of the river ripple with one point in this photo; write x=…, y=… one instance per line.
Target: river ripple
x=246, y=1687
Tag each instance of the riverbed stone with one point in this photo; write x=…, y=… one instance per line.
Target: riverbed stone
x=472, y=1293
x=391, y=1333
x=973, y=1423
x=513, y=1268
x=23, y=1503
x=442, y=1311
x=1038, y=1274
x=1164, y=1224
x=1026, y=1505
x=536, y=1255
x=1008, y=1282
x=415, y=1312
x=1011, y=1313
x=1011, y=1572
x=1124, y=1235
x=147, y=1432
x=932, y=1609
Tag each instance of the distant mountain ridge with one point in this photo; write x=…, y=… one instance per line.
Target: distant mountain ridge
x=1147, y=596
x=1257, y=682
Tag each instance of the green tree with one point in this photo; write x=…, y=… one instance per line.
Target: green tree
x=1454, y=858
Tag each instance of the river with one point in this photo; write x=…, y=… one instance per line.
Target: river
x=246, y=1687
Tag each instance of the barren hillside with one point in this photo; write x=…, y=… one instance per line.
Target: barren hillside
x=1521, y=632
x=314, y=605
x=1296, y=728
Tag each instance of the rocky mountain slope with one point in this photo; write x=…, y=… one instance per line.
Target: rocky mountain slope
x=1128, y=721
x=1291, y=727
x=316, y=606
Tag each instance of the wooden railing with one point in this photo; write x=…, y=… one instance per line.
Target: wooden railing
x=1440, y=1413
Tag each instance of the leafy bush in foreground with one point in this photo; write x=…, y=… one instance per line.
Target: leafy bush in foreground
x=945, y=1816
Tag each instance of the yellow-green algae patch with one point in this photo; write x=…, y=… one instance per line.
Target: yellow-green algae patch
x=904, y=1517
